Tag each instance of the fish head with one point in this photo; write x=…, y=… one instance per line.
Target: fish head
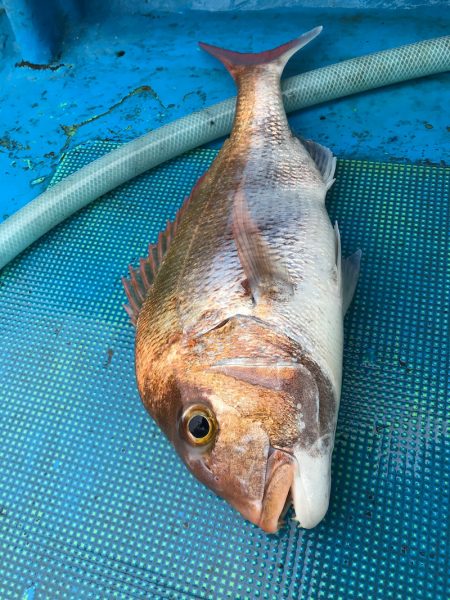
x=228, y=448
x=238, y=418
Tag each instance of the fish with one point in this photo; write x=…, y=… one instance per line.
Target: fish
x=239, y=308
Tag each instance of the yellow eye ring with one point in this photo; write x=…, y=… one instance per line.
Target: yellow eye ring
x=199, y=425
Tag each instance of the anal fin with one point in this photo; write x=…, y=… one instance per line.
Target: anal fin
x=348, y=271
x=350, y=274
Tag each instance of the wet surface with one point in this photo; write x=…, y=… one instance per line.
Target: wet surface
x=116, y=79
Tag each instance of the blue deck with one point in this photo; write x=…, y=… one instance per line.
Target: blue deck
x=94, y=502
x=119, y=77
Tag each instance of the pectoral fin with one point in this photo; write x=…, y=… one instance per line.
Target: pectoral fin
x=265, y=274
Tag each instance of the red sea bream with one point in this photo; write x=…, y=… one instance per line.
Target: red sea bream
x=239, y=311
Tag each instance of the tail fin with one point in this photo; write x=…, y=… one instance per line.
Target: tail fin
x=236, y=61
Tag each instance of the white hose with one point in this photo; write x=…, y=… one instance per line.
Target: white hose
x=104, y=174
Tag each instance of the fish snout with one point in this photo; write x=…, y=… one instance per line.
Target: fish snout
x=311, y=487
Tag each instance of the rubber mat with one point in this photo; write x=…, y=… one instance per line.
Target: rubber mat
x=94, y=503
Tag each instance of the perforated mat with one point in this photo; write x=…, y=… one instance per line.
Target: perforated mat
x=94, y=503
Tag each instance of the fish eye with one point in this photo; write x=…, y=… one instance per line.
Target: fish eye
x=199, y=425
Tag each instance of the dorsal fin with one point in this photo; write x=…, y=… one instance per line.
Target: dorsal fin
x=141, y=278
x=265, y=276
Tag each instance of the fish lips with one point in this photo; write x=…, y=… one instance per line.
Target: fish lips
x=268, y=513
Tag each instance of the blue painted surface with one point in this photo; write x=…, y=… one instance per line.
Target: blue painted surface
x=142, y=6
x=39, y=27
x=116, y=78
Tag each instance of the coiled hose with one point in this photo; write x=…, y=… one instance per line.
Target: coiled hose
x=104, y=174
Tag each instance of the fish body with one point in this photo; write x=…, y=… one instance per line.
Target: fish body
x=239, y=311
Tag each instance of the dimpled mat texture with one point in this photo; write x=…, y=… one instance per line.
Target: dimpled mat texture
x=94, y=503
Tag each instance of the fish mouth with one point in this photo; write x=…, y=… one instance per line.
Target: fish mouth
x=268, y=512
x=277, y=491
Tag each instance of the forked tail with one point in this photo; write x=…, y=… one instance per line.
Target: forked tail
x=238, y=62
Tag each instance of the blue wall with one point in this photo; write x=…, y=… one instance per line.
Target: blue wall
x=39, y=26
x=115, y=76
